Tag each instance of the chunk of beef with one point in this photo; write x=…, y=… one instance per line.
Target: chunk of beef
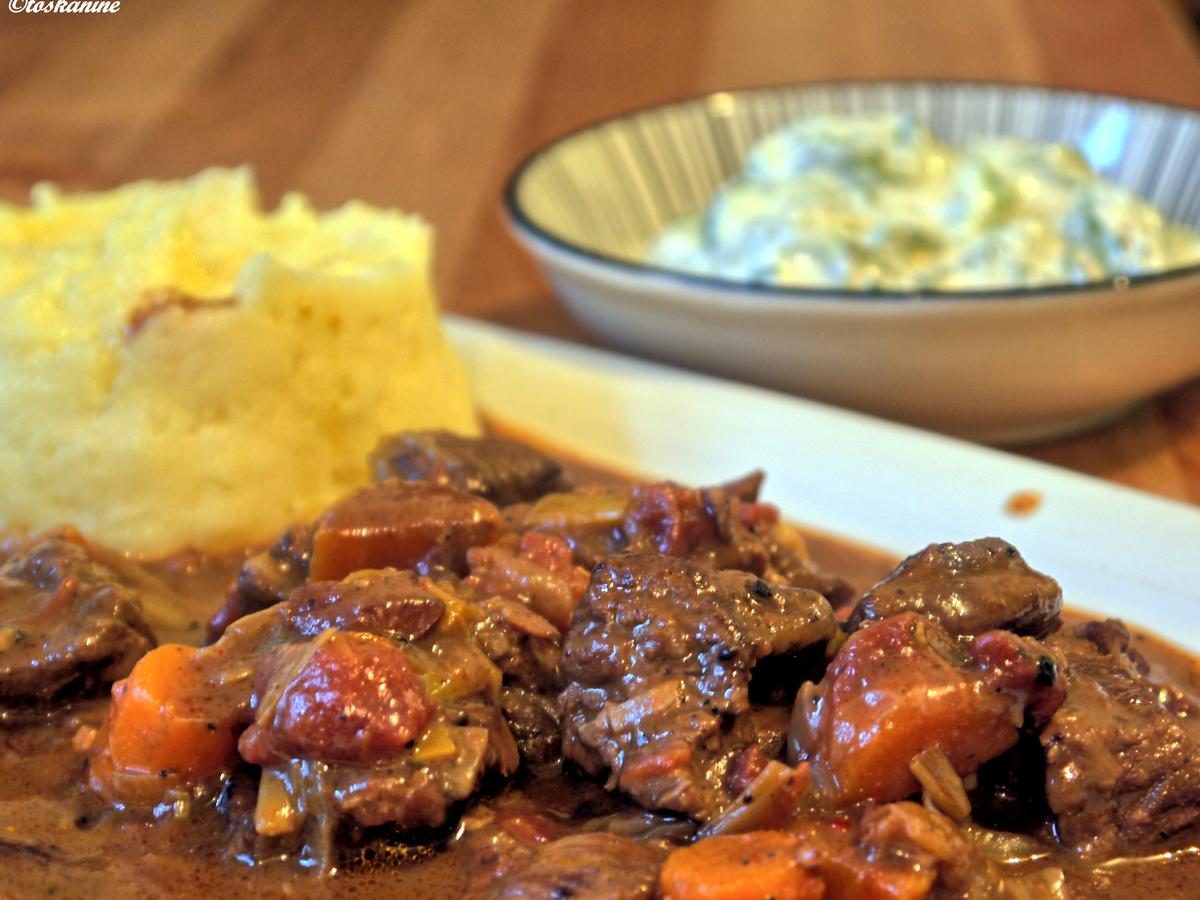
x=419, y=789
x=266, y=578
x=497, y=469
x=389, y=524
x=675, y=520
x=906, y=831
x=528, y=588
x=717, y=527
x=596, y=866
x=398, y=605
x=968, y=589
x=659, y=660
x=365, y=701
x=523, y=645
x=1122, y=766
x=534, y=722
x=788, y=565
x=536, y=569
x=494, y=850
x=69, y=623
x=901, y=686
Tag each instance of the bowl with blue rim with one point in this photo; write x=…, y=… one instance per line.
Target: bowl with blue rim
x=1001, y=262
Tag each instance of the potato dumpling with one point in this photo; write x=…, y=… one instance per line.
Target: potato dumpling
x=180, y=368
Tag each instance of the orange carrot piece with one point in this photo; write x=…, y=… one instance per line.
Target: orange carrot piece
x=646, y=764
x=890, y=693
x=396, y=524
x=748, y=866
x=156, y=729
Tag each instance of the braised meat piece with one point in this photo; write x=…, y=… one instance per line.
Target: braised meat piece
x=955, y=865
x=389, y=524
x=968, y=589
x=718, y=527
x=793, y=568
x=266, y=578
x=657, y=664
x=396, y=604
x=534, y=721
x=1122, y=754
x=901, y=686
x=1010, y=790
x=523, y=645
x=366, y=700
x=598, y=866
x=724, y=528
x=497, y=469
x=69, y=623
x=536, y=569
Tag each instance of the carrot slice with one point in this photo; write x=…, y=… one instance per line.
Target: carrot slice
x=740, y=867
x=396, y=524
x=157, y=733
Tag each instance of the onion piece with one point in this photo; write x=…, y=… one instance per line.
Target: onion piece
x=942, y=787
x=577, y=510
x=277, y=810
x=766, y=804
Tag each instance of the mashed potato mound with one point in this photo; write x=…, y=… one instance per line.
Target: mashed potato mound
x=179, y=368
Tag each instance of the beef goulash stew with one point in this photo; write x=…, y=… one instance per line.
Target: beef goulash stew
x=470, y=678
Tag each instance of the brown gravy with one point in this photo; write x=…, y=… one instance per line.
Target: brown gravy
x=57, y=841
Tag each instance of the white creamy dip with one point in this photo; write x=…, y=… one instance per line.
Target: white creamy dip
x=877, y=202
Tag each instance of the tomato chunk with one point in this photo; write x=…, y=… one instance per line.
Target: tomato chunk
x=347, y=696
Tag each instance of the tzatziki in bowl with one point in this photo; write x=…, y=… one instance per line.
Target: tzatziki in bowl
x=1000, y=262
x=877, y=202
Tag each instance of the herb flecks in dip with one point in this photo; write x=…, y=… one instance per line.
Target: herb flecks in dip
x=879, y=203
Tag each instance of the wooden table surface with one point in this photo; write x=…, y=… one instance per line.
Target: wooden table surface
x=428, y=104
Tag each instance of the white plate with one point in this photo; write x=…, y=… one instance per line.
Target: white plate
x=1115, y=551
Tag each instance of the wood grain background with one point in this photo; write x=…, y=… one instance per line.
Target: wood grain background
x=428, y=105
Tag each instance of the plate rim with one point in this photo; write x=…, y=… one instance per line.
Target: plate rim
x=1116, y=550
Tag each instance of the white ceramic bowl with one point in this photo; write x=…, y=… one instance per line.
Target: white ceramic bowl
x=999, y=366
